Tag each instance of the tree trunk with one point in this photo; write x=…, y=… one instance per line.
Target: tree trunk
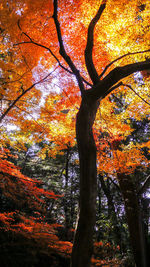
x=134, y=219
x=72, y=202
x=111, y=211
x=65, y=201
x=83, y=241
x=145, y=216
x=99, y=198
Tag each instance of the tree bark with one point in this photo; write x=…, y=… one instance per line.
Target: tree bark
x=134, y=218
x=83, y=241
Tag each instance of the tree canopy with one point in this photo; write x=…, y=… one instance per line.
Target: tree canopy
x=59, y=59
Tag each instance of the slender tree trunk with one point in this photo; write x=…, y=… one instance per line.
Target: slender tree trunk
x=111, y=211
x=99, y=198
x=134, y=219
x=145, y=216
x=66, y=207
x=72, y=205
x=83, y=241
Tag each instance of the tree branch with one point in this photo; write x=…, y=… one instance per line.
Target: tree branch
x=144, y=186
x=17, y=80
x=125, y=55
x=116, y=185
x=45, y=47
x=62, y=50
x=21, y=95
x=90, y=43
x=111, y=89
x=105, y=86
x=129, y=86
x=29, y=114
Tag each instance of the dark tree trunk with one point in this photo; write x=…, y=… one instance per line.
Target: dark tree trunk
x=99, y=198
x=82, y=248
x=83, y=242
x=134, y=219
x=145, y=216
x=72, y=202
x=66, y=207
x=111, y=211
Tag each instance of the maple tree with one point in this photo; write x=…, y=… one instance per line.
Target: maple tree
x=26, y=218
x=28, y=189
x=85, y=82
x=27, y=224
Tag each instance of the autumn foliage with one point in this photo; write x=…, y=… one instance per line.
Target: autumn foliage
x=27, y=197
x=59, y=59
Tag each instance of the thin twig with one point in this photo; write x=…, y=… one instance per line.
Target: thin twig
x=29, y=113
x=47, y=48
x=22, y=94
x=129, y=86
x=144, y=186
x=17, y=80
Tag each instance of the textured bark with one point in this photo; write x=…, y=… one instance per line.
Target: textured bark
x=83, y=242
x=135, y=225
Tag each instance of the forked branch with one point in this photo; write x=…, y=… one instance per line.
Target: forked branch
x=90, y=43
x=45, y=47
x=104, y=87
x=31, y=41
x=62, y=50
x=125, y=55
